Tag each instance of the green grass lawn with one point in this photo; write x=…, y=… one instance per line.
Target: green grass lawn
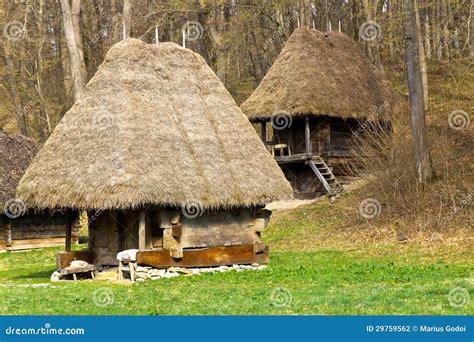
x=317, y=282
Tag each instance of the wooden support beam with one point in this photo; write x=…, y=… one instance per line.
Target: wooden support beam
x=63, y=259
x=8, y=233
x=68, y=231
x=120, y=240
x=291, y=141
x=307, y=137
x=264, y=132
x=177, y=230
x=142, y=231
x=176, y=252
x=204, y=257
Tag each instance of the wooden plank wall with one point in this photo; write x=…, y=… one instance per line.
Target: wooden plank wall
x=104, y=238
x=302, y=179
x=37, y=231
x=342, y=159
x=342, y=137
x=320, y=135
x=212, y=229
x=218, y=228
x=2, y=235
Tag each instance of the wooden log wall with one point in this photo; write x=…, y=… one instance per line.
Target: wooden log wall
x=295, y=135
x=104, y=239
x=170, y=230
x=303, y=180
x=342, y=137
x=35, y=231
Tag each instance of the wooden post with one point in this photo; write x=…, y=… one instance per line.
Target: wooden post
x=264, y=132
x=328, y=139
x=291, y=141
x=142, y=232
x=68, y=230
x=8, y=233
x=307, y=137
x=120, y=241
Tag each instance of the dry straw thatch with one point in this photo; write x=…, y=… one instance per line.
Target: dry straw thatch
x=320, y=73
x=16, y=153
x=154, y=126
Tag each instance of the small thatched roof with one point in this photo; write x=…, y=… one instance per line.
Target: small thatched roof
x=16, y=153
x=320, y=73
x=154, y=126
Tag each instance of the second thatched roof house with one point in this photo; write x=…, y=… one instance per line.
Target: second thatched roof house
x=320, y=90
x=20, y=227
x=163, y=159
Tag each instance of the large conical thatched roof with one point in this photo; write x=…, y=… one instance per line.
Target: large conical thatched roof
x=320, y=73
x=16, y=153
x=154, y=126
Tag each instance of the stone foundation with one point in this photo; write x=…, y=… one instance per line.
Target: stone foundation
x=139, y=273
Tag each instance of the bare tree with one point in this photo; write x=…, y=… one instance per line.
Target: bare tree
x=470, y=30
x=424, y=167
x=75, y=57
x=127, y=17
x=76, y=23
x=422, y=58
x=427, y=38
x=21, y=118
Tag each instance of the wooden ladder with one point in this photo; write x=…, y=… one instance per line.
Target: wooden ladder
x=325, y=175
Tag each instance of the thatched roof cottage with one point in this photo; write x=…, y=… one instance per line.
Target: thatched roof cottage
x=163, y=159
x=319, y=91
x=21, y=228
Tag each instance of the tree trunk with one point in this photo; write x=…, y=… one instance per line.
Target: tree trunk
x=427, y=38
x=127, y=18
x=390, y=11
x=12, y=78
x=445, y=32
x=372, y=47
x=75, y=58
x=422, y=59
x=424, y=168
x=39, y=73
x=471, y=31
x=437, y=32
x=76, y=23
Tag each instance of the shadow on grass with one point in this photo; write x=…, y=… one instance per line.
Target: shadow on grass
x=46, y=274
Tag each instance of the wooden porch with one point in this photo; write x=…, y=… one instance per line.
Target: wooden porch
x=289, y=152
